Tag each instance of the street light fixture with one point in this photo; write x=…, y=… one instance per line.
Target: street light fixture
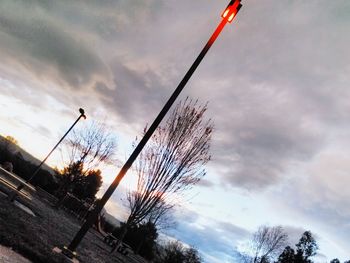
x=231, y=10
x=228, y=15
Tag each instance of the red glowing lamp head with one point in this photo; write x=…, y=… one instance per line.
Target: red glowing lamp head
x=231, y=10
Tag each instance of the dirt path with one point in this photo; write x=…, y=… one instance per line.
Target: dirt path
x=7, y=255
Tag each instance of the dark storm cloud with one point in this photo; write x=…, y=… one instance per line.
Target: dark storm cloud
x=66, y=42
x=134, y=96
x=40, y=43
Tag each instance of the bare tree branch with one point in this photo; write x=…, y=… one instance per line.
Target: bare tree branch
x=266, y=244
x=91, y=146
x=171, y=163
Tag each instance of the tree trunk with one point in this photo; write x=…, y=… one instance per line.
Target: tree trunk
x=120, y=237
x=139, y=246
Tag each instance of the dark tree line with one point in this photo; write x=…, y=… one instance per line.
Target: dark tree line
x=270, y=245
x=10, y=153
x=86, y=148
x=175, y=252
x=305, y=249
x=79, y=182
x=142, y=239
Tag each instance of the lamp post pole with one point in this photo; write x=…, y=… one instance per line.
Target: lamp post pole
x=227, y=16
x=82, y=115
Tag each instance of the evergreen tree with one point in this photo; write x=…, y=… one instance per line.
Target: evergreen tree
x=88, y=185
x=192, y=256
x=83, y=184
x=287, y=256
x=306, y=248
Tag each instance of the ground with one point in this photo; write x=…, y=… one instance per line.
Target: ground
x=7, y=255
x=34, y=237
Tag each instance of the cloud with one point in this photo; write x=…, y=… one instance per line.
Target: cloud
x=134, y=96
x=205, y=183
x=272, y=92
x=44, y=46
x=294, y=234
x=278, y=93
x=215, y=240
x=262, y=138
x=319, y=199
x=117, y=205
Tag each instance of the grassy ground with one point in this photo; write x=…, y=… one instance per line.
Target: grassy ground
x=35, y=236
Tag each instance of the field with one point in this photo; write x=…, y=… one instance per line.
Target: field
x=34, y=237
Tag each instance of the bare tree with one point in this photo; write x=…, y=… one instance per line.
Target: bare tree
x=160, y=215
x=266, y=244
x=91, y=145
x=175, y=251
x=172, y=162
x=87, y=148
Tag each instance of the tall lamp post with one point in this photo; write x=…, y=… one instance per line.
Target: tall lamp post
x=227, y=16
x=82, y=115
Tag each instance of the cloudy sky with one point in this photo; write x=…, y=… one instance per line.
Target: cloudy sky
x=277, y=81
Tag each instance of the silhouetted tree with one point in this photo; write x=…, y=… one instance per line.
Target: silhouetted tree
x=162, y=216
x=172, y=162
x=141, y=238
x=146, y=240
x=91, y=145
x=266, y=244
x=87, y=148
x=70, y=175
x=88, y=185
x=83, y=184
x=6, y=149
x=287, y=256
x=175, y=252
x=335, y=260
x=192, y=256
x=306, y=248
